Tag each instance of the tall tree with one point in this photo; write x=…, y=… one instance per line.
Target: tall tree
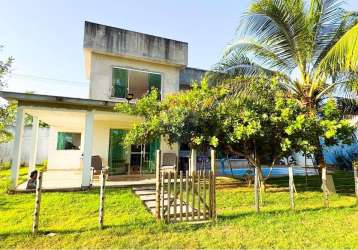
x=264, y=126
x=7, y=111
x=311, y=46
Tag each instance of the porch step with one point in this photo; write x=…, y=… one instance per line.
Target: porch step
x=147, y=196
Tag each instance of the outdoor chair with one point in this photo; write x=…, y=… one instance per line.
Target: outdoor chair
x=169, y=163
x=96, y=165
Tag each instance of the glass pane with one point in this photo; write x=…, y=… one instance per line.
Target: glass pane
x=155, y=82
x=117, y=152
x=68, y=141
x=120, y=82
x=149, y=166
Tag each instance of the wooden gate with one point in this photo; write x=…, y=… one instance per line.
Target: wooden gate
x=184, y=196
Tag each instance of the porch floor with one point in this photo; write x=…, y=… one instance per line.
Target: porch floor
x=70, y=180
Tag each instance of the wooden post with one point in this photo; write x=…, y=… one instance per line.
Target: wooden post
x=212, y=163
x=169, y=194
x=256, y=190
x=204, y=194
x=324, y=186
x=210, y=190
x=355, y=169
x=181, y=195
x=36, y=216
x=187, y=195
x=291, y=187
x=162, y=176
x=198, y=192
x=175, y=195
x=101, y=199
x=157, y=184
x=193, y=195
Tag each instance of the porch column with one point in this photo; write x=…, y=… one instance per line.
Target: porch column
x=192, y=161
x=33, y=148
x=16, y=153
x=87, y=149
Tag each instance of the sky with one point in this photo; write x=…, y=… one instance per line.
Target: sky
x=45, y=37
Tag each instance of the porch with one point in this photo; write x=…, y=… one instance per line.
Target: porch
x=79, y=130
x=71, y=180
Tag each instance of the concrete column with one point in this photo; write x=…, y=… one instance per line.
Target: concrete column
x=192, y=161
x=33, y=148
x=87, y=149
x=16, y=154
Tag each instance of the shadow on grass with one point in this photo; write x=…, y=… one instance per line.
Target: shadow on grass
x=122, y=229
x=280, y=211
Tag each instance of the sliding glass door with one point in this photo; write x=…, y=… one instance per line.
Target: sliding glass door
x=117, y=152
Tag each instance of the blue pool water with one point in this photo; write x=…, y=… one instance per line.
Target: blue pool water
x=280, y=171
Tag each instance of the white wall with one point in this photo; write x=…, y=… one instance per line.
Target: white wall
x=101, y=74
x=63, y=159
x=42, y=153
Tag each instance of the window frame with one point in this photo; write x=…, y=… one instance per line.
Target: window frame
x=67, y=132
x=128, y=78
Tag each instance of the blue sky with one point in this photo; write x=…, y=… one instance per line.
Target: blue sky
x=45, y=37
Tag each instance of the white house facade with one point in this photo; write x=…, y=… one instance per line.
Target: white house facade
x=118, y=63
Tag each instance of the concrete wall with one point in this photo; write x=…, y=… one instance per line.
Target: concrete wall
x=7, y=148
x=63, y=159
x=101, y=74
x=188, y=75
x=116, y=41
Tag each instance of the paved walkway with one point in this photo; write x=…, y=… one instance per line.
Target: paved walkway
x=67, y=180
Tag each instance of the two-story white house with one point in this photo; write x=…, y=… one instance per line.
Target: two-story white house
x=118, y=63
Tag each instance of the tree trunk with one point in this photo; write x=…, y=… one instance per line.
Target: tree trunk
x=323, y=172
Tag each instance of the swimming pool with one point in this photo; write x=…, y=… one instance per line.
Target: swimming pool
x=278, y=171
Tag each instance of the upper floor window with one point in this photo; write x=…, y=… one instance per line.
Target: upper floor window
x=135, y=82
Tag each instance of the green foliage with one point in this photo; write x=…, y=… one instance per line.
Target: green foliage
x=265, y=121
x=7, y=117
x=311, y=45
x=4, y=68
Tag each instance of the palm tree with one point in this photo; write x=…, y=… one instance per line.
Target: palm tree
x=312, y=46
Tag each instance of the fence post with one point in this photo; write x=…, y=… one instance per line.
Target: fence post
x=101, y=199
x=35, y=224
x=212, y=163
x=257, y=191
x=324, y=186
x=291, y=187
x=157, y=184
x=355, y=169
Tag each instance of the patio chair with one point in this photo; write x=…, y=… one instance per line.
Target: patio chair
x=169, y=163
x=96, y=165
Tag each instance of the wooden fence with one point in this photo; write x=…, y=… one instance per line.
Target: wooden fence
x=185, y=196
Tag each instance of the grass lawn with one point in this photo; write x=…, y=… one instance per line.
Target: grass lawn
x=73, y=217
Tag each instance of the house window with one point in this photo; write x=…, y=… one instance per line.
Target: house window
x=135, y=82
x=68, y=141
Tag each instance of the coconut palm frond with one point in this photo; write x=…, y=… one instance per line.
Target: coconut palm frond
x=343, y=55
x=348, y=21
x=348, y=106
x=267, y=55
x=327, y=25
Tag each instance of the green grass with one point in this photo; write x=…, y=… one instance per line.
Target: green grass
x=73, y=217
